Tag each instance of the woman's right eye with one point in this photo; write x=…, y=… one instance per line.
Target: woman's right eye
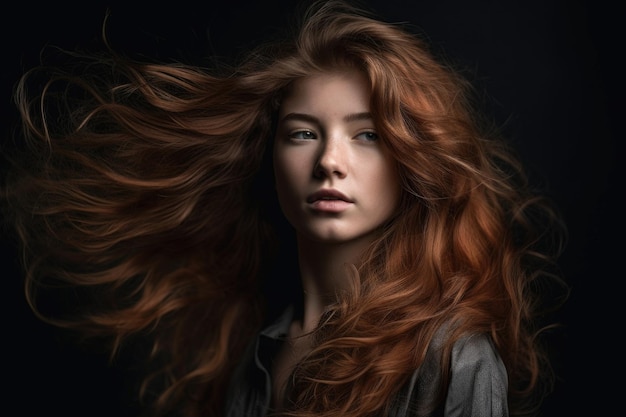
x=302, y=134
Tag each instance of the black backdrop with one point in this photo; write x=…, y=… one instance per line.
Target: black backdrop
x=551, y=70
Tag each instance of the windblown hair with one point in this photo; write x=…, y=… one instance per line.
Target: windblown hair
x=142, y=185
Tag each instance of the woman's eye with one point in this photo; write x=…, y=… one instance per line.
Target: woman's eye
x=302, y=134
x=368, y=136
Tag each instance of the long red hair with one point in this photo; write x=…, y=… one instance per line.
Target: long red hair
x=145, y=183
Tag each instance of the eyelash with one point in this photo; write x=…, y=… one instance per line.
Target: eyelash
x=369, y=139
x=371, y=136
x=295, y=135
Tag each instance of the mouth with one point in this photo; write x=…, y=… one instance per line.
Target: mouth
x=329, y=201
x=327, y=195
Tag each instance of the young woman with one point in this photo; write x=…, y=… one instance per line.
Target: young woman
x=329, y=229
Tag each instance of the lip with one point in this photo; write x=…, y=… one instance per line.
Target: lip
x=329, y=201
x=328, y=194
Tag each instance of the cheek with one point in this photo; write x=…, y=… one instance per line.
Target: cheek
x=288, y=173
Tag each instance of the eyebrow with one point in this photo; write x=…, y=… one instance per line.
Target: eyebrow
x=312, y=119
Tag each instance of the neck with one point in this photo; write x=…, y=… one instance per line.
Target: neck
x=324, y=269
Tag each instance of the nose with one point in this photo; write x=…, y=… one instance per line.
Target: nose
x=332, y=159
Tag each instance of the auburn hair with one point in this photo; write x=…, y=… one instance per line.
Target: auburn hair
x=144, y=185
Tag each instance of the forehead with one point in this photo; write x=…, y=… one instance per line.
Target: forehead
x=328, y=90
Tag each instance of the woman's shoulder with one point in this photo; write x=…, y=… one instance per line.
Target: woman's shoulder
x=474, y=353
x=471, y=352
x=478, y=381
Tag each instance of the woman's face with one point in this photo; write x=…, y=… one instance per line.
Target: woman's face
x=335, y=180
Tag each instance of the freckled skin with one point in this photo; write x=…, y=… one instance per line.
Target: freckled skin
x=326, y=140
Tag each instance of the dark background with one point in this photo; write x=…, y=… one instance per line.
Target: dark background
x=552, y=71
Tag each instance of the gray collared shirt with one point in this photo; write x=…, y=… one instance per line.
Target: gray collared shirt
x=478, y=384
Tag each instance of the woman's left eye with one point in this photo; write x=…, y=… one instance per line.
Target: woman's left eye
x=302, y=134
x=368, y=136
